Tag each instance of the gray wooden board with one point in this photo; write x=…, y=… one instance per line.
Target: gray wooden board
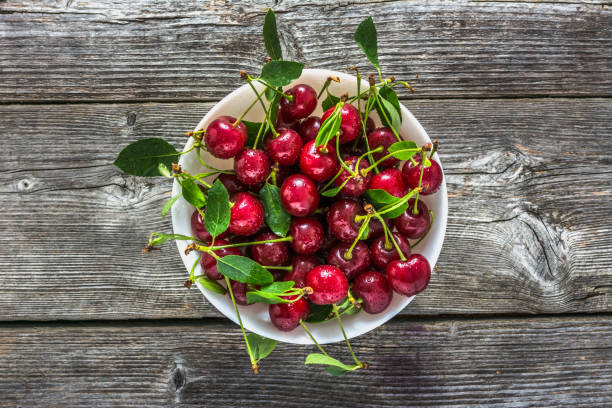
x=83, y=50
x=529, y=183
x=536, y=362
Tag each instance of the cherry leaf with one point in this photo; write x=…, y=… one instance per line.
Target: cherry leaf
x=245, y=270
x=168, y=205
x=211, y=285
x=329, y=102
x=261, y=346
x=277, y=218
x=366, y=38
x=403, y=150
x=281, y=73
x=318, y=358
x=142, y=158
x=270, y=35
x=192, y=193
x=217, y=216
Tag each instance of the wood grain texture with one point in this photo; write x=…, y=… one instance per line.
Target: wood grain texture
x=466, y=363
x=529, y=184
x=192, y=50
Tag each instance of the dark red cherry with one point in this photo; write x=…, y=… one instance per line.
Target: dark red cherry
x=409, y=277
x=432, y=175
x=350, y=127
x=286, y=316
x=316, y=164
x=309, y=128
x=370, y=126
x=382, y=256
x=198, y=230
x=341, y=219
x=239, y=289
x=382, y=137
x=231, y=183
x=413, y=225
x=375, y=228
x=222, y=139
x=246, y=214
x=391, y=181
x=299, y=195
x=328, y=283
x=359, y=262
x=301, y=265
x=374, y=290
x=283, y=173
x=303, y=104
x=307, y=235
x=356, y=186
x=252, y=167
x=284, y=123
x=270, y=253
x=209, y=264
x=285, y=148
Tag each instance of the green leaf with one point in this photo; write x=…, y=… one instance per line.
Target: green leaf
x=398, y=211
x=217, y=216
x=337, y=371
x=163, y=170
x=277, y=218
x=143, y=157
x=318, y=313
x=270, y=94
x=252, y=130
x=256, y=296
x=281, y=73
x=270, y=34
x=168, y=205
x=403, y=150
x=329, y=102
x=192, y=193
x=386, y=92
x=318, y=358
x=159, y=238
x=395, y=120
x=365, y=37
x=211, y=285
x=379, y=198
x=261, y=346
x=242, y=269
x=277, y=287
x=329, y=127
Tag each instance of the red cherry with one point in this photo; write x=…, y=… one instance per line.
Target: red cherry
x=374, y=290
x=198, y=229
x=252, y=167
x=270, y=253
x=222, y=139
x=239, y=289
x=309, y=128
x=350, y=125
x=286, y=316
x=409, y=277
x=391, y=181
x=303, y=104
x=307, y=235
x=341, y=219
x=432, y=175
x=317, y=165
x=382, y=137
x=299, y=195
x=370, y=126
x=283, y=173
x=358, y=185
x=328, y=283
x=209, y=264
x=382, y=256
x=285, y=148
x=359, y=262
x=300, y=267
x=246, y=214
x=231, y=183
x=413, y=225
x=285, y=123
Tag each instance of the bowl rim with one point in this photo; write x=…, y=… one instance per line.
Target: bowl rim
x=373, y=321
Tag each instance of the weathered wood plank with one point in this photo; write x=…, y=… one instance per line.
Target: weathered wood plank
x=529, y=180
x=193, y=50
x=494, y=363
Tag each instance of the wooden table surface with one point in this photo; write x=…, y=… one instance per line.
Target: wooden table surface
x=519, y=311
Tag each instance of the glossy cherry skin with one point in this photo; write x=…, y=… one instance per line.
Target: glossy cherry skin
x=299, y=195
x=391, y=181
x=209, y=264
x=301, y=265
x=432, y=175
x=409, y=277
x=355, y=186
x=341, y=219
x=239, y=289
x=252, y=167
x=286, y=316
x=303, y=104
x=285, y=148
x=412, y=225
x=284, y=123
x=222, y=139
x=246, y=214
x=382, y=137
x=231, y=183
x=307, y=235
x=270, y=253
x=317, y=165
x=198, y=230
x=373, y=288
x=382, y=256
x=309, y=128
x=328, y=283
x=359, y=262
x=350, y=125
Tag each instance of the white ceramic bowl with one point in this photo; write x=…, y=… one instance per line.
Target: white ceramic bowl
x=255, y=317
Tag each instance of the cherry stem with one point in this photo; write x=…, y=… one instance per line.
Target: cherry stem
x=284, y=95
x=240, y=244
x=364, y=224
x=392, y=238
x=312, y=337
x=206, y=165
x=199, y=179
x=266, y=110
x=342, y=163
x=415, y=210
x=399, y=139
x=399, y=203
x=414, y=163
x=431, y=221
x=354, y=98
x=324, y=88
x=192, y=273
x=281, y=268
x=382, y=159
x=329, y=183
x=246, y=340
x=348, y=343
x=434, y=149
x=247, y=110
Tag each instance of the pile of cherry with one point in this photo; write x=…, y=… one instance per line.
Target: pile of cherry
x=324, y=254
